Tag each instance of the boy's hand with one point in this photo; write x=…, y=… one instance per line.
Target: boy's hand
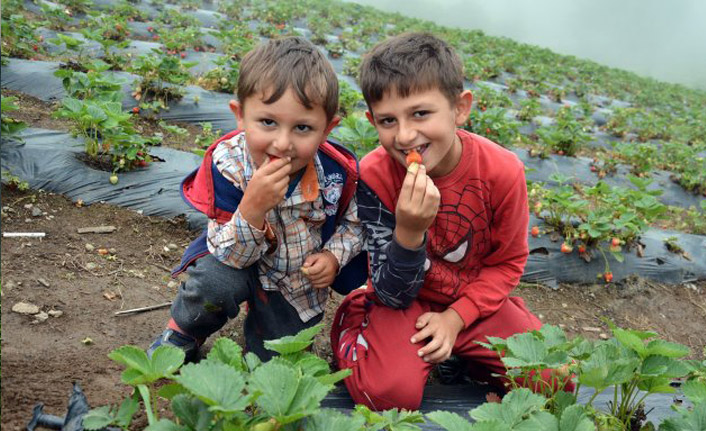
x=265, y=190
x=320, y=269
x=417, y=206
x=442, y=328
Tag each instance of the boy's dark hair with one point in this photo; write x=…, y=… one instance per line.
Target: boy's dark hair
x=289, y=62
x=408, y=63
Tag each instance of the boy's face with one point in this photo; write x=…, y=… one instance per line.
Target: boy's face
x=282, y=128
x=424, y=121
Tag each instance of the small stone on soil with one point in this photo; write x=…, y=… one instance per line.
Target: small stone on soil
x=43, y=282
x=591, y=329
x=25, y=308
x=603, y=336
x=90, y=247
x=55, y=313
x=36, y=212
x=40, y=317
x=90, y=266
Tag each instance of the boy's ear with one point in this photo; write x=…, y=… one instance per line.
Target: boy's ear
x=464, y=103
x=237, y=109
x=334, y=122
x=369, y=116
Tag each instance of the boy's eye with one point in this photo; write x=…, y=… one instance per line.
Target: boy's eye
x=303, y=128
x=386, y=121
x=267, y=122
x=421, y=114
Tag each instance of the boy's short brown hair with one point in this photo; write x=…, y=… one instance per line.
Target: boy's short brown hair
x=408, y=63
x=290, y=62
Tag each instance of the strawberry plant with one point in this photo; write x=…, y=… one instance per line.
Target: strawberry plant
x=128, y=11
x=351, y=66
x=176, y=40
x=233, y=8
x=567, y=136
x=529, y=108
x=74, y=7
x=335, y=49
x=229, y=391
x=349, y=41
x=223, y=78
x=485, y=97
x=349, y=99
x=175, y=19
x=495, y=125
x=356, y=131
x=620, y=123
x=158, y=70
x=236, y=39
x=18, y=38
x=205, y=138
x=641, y=156
x=111, y=47
x=10, y=126
x=94, y=84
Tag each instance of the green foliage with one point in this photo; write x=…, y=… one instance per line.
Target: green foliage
x=566, y=137
x=356, y=131
x=349, y=99
x=229, y=391
x=158, y=70
x=494, y=124
x=18, y=37
x=10, y=126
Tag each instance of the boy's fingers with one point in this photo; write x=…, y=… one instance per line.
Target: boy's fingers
x=408, y=183
x=421, y=335
x=430, y=348
x=422, y=320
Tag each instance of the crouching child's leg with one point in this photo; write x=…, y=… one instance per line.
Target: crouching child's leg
x=374, y=342
x=205, y=301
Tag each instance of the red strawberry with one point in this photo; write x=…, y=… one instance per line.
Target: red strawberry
x=593, y=168
x=566, y=248
x=35, y=48
x=141, y=163
x=182, y=55
x=150, y=29
x=136, y=110
x=582, y=248
x=560, y=152
x=608, y=277
x=615, y=242
x=487, y=130
x=155, y=37
x=535, y=231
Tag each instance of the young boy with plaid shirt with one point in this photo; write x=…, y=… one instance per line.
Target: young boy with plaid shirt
x=283, y=222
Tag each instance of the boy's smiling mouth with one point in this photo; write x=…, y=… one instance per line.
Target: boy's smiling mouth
x=420, y=149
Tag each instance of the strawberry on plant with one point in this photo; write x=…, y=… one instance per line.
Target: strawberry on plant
x=608, y=276
x=615, y=242
x=183, y=55
x=113, y=179
x=35, y=48
x=136, y=110
x=535, y=231
x=582, y=248
x=150, y=29
x=566, y=248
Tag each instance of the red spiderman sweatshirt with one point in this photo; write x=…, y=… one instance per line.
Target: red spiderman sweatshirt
x=476, y=249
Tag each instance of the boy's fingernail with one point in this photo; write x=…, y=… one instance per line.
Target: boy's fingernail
x=412, y=340
x=413, y=168
x=420, y=353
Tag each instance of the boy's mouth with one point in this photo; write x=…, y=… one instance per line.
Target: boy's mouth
x=420, y=149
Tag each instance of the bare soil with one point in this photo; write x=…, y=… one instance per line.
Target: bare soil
x=66, y=272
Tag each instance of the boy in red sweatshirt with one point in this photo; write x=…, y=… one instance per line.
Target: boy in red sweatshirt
x=446, y=237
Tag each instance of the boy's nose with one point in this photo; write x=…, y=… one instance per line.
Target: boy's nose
x=406, y=135
x=283, y=144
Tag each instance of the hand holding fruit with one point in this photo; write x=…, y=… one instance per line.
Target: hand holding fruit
x=265, y=190
x=417, y=206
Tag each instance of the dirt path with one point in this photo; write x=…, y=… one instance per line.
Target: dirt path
x=62, y=273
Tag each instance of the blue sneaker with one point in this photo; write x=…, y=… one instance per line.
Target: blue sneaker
x=170, y=337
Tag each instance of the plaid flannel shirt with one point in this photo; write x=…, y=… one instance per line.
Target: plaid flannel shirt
x=296, y=224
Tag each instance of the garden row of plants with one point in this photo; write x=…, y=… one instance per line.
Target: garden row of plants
x=679, y=127
x=584, y=217
x=231, y=391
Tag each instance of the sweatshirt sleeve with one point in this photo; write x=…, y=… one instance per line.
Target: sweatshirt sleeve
x=502, y=268
x=236, y=243
x=397, y=273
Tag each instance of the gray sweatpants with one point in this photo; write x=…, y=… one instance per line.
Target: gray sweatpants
x=213, y=293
